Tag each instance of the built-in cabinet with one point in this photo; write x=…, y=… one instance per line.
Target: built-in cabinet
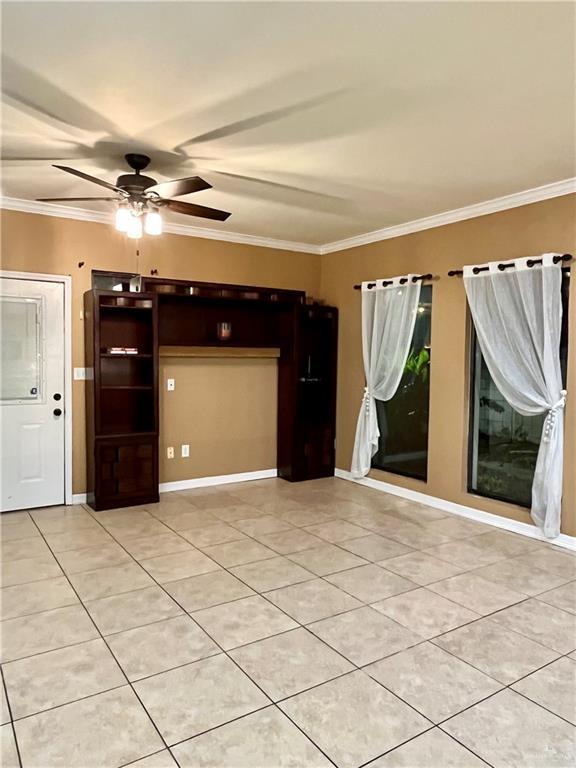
x=123, y=334
x=307, y=393
x=121, y=343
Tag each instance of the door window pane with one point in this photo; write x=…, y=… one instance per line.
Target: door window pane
x=503, y=443
x=403, y=420
x=21, y=374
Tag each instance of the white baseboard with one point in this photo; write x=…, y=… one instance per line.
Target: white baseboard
x=524, y=529
x=202, y=482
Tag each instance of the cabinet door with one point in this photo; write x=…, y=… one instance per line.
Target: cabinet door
x=318, y=452
x=126, y=471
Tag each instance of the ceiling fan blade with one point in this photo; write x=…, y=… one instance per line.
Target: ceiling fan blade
x=178, y=187
x=93, y=179
x=71, y=199
x=255, y=121
x=32, y=93
x=196, y=210
x=277, y=192
x=30, y=158
x=268, y=184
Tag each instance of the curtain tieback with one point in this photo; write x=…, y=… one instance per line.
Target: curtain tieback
x=366, y=399
x=551, y=416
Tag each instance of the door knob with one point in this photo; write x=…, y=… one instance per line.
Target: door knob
x=57, y=412
x=57, y=396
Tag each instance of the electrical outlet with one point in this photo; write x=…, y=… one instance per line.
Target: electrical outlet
x=185, y=451
x=170, y=452
x=170, y=384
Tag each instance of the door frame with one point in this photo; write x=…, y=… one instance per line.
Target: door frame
x=66, y=281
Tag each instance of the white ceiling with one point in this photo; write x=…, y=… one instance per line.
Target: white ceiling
x=313, y=121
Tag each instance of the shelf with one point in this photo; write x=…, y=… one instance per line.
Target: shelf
x=123, y=435
x=138, y=387
x=219, y=351
x=139, y=356
x=131, y=307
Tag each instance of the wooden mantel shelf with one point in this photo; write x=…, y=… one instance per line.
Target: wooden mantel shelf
x=220, y=351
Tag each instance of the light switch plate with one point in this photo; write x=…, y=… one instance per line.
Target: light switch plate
x=170, y=452
x=185, y=451
x=83, y=374
x=170, y=384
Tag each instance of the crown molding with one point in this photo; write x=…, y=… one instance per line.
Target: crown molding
x=536, y=195
x=83, y=214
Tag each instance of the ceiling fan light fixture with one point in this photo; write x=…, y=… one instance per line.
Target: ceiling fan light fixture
x=153, y=223
x=134, y=230
x=138, y=197
x=123, y=217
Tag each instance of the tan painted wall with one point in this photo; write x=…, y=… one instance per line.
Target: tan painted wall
x=225, y=409
x=532, y=229
x=33, y=243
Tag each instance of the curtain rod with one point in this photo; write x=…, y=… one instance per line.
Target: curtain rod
x=509, y=265
x=403, y=280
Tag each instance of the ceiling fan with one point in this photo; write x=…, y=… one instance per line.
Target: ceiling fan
x=140, y=197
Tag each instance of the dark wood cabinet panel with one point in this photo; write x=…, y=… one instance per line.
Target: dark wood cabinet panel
x=126, y=471
x=221, y=291
x=307, y=388
x=194, y=322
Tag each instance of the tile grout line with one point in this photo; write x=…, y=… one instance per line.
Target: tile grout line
x=358, y=669
x=231, y=659
x=11, y=721
x=102, y=637
x=368, y=763
x=482, y=616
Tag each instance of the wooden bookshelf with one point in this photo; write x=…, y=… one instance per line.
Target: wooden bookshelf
x=121, y=399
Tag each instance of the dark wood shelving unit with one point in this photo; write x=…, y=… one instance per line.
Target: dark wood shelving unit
x=307, y=394
x=121, y=399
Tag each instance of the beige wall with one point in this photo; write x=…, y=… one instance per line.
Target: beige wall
x=33, y=243
x=532, y=229
x=225, y=409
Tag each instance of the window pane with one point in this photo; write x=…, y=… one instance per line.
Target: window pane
x=403, y=420
x=503, y=444
x=21, y=359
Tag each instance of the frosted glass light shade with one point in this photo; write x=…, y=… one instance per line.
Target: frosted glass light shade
x=153, y=223
x=134, y=229
x=123, y=217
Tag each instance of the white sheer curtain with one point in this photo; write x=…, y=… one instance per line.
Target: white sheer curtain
x=517, y=314
x=388, y=317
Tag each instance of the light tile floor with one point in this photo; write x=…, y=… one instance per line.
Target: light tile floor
x=276, y=625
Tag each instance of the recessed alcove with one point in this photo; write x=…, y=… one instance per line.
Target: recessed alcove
x=224, y=406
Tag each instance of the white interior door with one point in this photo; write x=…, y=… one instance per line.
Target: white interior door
x=32, y=405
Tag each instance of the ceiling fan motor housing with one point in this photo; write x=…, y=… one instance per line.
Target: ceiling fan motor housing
x=135, y=183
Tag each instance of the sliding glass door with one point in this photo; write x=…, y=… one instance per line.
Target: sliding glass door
x=403, y=420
